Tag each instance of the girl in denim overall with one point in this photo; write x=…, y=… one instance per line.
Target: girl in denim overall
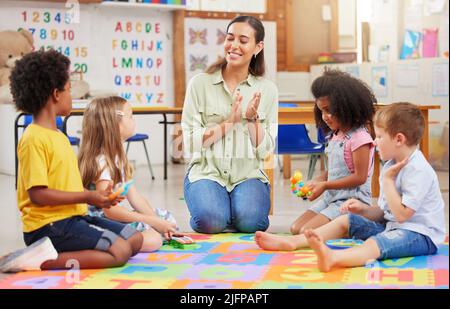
x=344, y=109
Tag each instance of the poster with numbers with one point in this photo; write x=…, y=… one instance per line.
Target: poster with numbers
x=60, y=26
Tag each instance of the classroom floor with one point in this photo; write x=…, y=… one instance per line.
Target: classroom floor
x=427, y=272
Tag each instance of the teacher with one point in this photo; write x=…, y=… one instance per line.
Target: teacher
x=229, y=127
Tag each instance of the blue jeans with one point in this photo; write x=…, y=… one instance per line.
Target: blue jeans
x=213, y=209
x=392, y=244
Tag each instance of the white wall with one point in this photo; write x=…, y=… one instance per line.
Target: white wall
x=294, y=86
x=407, y=80
x=249, y=6
x=390, y=18
x=7, y=117
x=414, y=81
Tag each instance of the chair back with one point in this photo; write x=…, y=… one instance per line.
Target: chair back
x=321, y=137
x=293, y=137
x=29, y=119
x=284, y=104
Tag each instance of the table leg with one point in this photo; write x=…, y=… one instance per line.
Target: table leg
x=376, y=176
x=165, y=146
x=424, y=143
x=286, y=166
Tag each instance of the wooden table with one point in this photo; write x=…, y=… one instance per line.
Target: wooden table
x=142, y=110
x=304, y=113
x=137, y=110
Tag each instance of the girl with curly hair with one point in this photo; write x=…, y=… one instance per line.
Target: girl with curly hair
x=344, y=110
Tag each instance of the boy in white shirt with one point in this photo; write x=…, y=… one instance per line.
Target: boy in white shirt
x=409, y=218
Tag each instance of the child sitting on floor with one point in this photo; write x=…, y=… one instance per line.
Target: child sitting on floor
x=344, y=107
x=409, y=219
x=107, y=123
x=50, y=192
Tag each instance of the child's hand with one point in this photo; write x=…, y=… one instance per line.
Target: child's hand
x=101, y=198
x=353, y=206
x=317, y=188
x=166, y=228
x=393, y=171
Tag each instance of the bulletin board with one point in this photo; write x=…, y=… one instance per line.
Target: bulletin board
x=127, y=51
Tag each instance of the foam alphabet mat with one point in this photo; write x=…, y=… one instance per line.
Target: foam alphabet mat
x=228, y=261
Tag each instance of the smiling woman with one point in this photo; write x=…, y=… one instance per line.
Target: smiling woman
x=229, y=127
x=242, y=30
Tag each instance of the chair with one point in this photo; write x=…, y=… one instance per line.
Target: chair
x=322, y=139
x=294, y=139
x=74, y=141
x=141, y=138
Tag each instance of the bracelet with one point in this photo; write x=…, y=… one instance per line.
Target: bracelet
x=254, y=119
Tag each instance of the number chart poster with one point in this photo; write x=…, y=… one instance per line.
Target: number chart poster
x=65, y=29
x=138, y=59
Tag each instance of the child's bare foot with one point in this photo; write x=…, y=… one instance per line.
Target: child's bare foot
x=273, y=242
x=324, y=254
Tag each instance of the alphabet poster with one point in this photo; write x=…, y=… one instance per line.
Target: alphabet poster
x=138, y=60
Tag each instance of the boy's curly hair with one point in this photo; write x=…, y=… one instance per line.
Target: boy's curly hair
x=35, y=77
x=351, y=100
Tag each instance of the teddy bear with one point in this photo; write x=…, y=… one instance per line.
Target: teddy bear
x=13, y=46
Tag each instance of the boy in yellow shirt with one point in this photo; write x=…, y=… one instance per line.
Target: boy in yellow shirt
x=50, y=193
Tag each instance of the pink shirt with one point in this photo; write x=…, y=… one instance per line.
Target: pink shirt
x=359, y=138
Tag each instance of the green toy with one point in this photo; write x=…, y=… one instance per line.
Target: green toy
x=175, y=244
x=179, y=241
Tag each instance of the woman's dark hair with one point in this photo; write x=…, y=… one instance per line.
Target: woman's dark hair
x=351, y=100
x=35, y=77
x=257, y=65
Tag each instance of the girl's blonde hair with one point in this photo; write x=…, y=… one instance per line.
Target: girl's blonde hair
x=101, y=136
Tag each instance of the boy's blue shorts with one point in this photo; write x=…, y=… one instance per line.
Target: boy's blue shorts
x=392, y=244
x=81, y=233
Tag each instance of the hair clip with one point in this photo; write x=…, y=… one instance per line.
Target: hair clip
x=120, y=113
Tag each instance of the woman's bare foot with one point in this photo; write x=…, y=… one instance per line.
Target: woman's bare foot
x=273, y=242
x=324, y=254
